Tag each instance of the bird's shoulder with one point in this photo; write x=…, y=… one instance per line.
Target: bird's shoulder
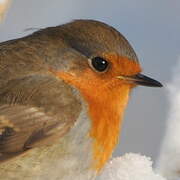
x=35, y=110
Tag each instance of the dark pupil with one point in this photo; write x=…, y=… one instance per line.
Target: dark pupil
x=99, y=64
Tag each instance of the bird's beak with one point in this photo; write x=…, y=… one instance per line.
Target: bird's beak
x=142, y=80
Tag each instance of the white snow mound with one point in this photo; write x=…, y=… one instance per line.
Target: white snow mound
x=130, y=167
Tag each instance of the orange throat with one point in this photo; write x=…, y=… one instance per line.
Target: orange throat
x=106, y=106
x=106, y=114
x=106, y=97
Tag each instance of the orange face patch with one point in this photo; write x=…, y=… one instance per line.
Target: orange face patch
x=122, y=65
x=107, y=97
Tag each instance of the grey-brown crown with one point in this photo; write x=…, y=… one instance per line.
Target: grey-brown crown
x=92, y=38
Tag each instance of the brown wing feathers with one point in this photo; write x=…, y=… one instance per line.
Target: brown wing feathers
x=33, y=112
x=19, y=124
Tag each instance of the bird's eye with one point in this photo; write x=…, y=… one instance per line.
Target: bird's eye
x=99, y=64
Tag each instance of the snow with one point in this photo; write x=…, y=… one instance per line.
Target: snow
x=130, y=167
x=169, y=161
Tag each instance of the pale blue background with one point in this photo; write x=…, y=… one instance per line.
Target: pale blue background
x=152, y=27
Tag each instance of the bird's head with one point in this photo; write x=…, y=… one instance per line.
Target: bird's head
x=103, y=66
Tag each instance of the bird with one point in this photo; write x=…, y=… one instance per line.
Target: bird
x=63, y=92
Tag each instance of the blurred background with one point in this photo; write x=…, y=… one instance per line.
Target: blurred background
x=152, y=27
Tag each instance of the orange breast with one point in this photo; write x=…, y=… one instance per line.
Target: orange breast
x=106, y=115
x=106, y=106
x=106, y=97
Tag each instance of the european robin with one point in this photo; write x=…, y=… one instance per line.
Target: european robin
x=63, y=91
